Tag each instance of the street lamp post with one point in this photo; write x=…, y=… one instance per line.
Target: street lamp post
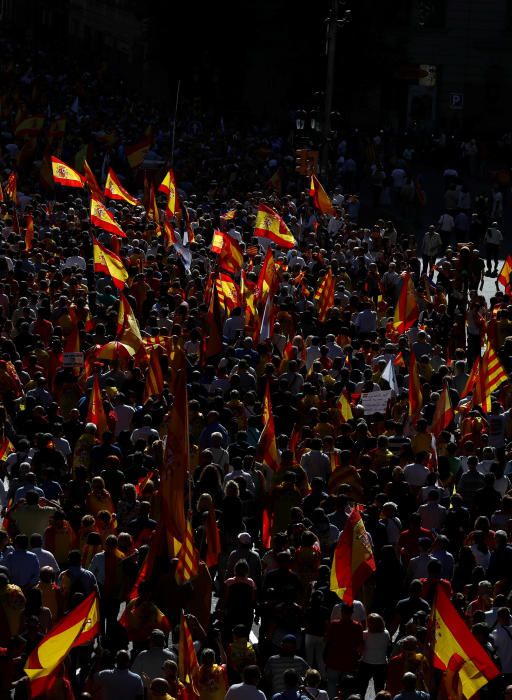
x=333, y=23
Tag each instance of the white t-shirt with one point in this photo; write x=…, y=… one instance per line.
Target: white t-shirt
x=359, y=614
x=416, y=474
x=244, y=691
x=376, y=646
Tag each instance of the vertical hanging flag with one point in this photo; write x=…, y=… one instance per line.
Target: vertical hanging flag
x=29, y=231
x=96, y=411
x=443, y=413
x=321, y=199
x=406, y=310
x=415, y=393
x=154, y=384
x=353, y=561
x=325, y=295
x=267, y=446
x=187, y=566
x=188, y=665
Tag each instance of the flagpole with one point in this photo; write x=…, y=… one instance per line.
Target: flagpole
x=174, y=121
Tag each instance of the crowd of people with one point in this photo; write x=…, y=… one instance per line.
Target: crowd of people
x=81, y=506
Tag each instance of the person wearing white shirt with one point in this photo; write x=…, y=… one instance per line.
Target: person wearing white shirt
x=44, y=557
x=248, y=690
x=312, y=353
x=335, y=350
x=432, y=513
x=502, y=638
x=359, y=614
x=148, y=663
x=124, y=413
x=416, y=473
x=377, y=641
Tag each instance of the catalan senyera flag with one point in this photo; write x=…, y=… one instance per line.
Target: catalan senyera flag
x=11, y=187
x=188, y=665
x=320, y=197
x=228, y=292
x=230, y=254
x=344, y=408
x=353, y=562
x=188, y=558
x=29, y=231
x=64, y=175
x=108, y=262
x=491, y=375
x=128, y=331
x=154, y=384
x=96, y=411
x=136, y=153
x=78, y=627
x=102, y=218
x=267, y=446
x=115, y=190
x=504, y=275
x=406, y=310
x=443, y=413
x=325, y=295
x=176, y=464
x=471, y=381
x=270, y=225
x=415, y=392
x=456, y=649
x=30, y=126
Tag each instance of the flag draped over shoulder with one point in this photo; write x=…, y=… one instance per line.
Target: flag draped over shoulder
x=353, y=560
x=115, y=190
x=108, y=262
x=456, y=649
x=102, y=218
x=78, y=627
x=321, y=199
x=64, y=175
x=270, y=225
x=406, y=310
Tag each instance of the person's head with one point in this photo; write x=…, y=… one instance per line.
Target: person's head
x=291, y=679
x=123, y=659
x=251, y=675
x=159, y=687
x=157, y=638
x=375, y=623
x=208, y=657
x=409, y=682
x=288, y=645
x=503, y=617
x=241, y=568
x=312, y=679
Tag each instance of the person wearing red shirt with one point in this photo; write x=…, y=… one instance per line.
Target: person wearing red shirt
x=343, y=648
x=409, y=540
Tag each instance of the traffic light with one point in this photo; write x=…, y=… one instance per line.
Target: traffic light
x=306, y=162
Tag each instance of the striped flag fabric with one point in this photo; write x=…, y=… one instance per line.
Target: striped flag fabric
x=353, y=562
x=491, y=375
x=11, y=187
x=504, y=274
x=471, y=381
x=271, y=226
x=136, y=152
x=406, y=310
x=115, y=190
x=188, y=558
x=29, y=231
x=154, y=384
x=443, y=413
x=325, y=295
x=321, y=199
x=344, y=408
x=188, y=665
x=6, y=448
x=96, y=411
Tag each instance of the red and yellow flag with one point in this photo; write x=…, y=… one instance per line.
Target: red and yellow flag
x=168, y=187
x=30, y=126
x=415, y=393
x=344, y=408
x=11, y=187
x=325, y=295
x=213, y=544
x=267, y=446
x=176, y=465
x=170, y=236
x=271, y=226
x=128, y=331
x=78, y=627
x=102, y=218
x=188, y=665
x=229, y=215
x=456, y=650
x=505, y=272
x=212, y=340
x=188, y=558
x=152, y=211
x=321, y=199
x=353, y=562
x=154, y=384
x=228, y=292
x=268, y=279
x=115, y=190
x=473, y=375
x=64, y=175
x=91, y=182
x=230, y=254
x=491, y=375
x=96, y=411
x=406, y=310
x=29, y=231
x=136, y=153
x=443, y=413
x=108, y=262
x=6, y=448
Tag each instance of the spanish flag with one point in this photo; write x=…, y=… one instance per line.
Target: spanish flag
x=96, y=411
x=64, y=175
x=353, y=562
x=267, y=446
x=325, y=295
x=31, y=126
x=504, y=276
x=491, y=375
x=268, y=279
x=152, y=211
x=78, y=627
x=136, y=153
x=344, y=408
x=187, y=566
x=154, y=378
x=406, y=310
x=415, y=393
x=443, y=413
x=456, y=651
x=230, y=254
x=170, y=236
x=115, y=190
x=102, y=218
x=229, y=215
x=271, y=226
x=228, y=292
x=168, y=187
x=91, y=182
x=109, y=263
x=128, y=331
x=29, y=231
x=320, y=197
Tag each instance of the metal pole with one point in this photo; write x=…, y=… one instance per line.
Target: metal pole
x=174, y=121
x=332, y=27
